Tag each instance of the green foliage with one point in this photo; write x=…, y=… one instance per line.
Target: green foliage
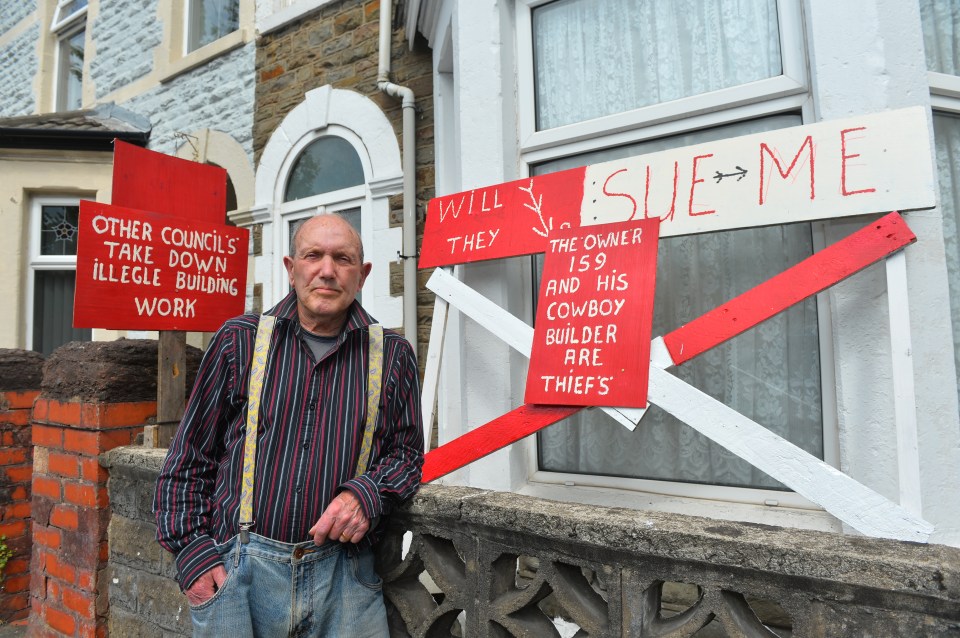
x=5, y=554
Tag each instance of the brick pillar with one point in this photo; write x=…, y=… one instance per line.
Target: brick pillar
x=95, y=397
x=20, y=374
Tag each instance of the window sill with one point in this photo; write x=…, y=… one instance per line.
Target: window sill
x=204, y=54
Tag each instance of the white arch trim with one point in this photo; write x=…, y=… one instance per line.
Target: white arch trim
x=216, y=147
x=320, y=108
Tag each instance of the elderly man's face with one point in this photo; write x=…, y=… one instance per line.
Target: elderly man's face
x=327, y=272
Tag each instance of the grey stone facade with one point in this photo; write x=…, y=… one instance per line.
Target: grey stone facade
x=145, y=600
x=218, y=96
x=13, y=11
x=126, y=36
x=19, y=64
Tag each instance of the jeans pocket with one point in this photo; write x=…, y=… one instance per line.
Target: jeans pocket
x=217, y=595
x=363, y=570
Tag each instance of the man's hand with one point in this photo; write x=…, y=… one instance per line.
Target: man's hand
x=206, y=585
x=343, y=521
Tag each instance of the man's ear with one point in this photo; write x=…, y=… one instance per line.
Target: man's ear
x=365, y=272
x=288, y=264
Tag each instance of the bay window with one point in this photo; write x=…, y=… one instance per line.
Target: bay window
x=614, y=78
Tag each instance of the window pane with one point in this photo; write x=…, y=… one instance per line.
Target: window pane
x=210, y=20
x=770, y=373
x=326, y=165
x=58, y=230
x=53, y=310
x=599, y=57
x=941, y=29
x=70, y=95
x=946, y=131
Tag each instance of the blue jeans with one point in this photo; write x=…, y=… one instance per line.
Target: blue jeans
x=279, y=589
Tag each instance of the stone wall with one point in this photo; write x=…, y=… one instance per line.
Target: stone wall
x=145, y=600
x=338, y=45
x=14, y=12
x=126, y=34
x=481, y=563
x=217, y=95
x=19, y=66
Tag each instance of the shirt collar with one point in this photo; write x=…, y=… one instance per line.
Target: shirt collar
x=357, y=317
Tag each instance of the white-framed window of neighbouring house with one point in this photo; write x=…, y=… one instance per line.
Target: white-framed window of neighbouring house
x=941, y=37
x=605, y=80
x=68, y=28
x=210, y=20
x=51, y=274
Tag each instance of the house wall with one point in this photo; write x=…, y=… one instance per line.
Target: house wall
x=19, y=65
x=82, y=175
x=862, y=59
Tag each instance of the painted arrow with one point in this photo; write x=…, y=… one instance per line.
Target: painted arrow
x=850, y=501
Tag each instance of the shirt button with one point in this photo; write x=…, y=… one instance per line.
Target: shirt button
x=298, y=489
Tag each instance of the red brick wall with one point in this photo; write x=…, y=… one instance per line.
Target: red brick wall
x=15, y=470
x=68, y=585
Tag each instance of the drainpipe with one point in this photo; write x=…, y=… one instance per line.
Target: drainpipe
x=409, y=168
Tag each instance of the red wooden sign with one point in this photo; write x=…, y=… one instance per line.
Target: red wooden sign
x=146, y=271
x=855, y=166
x=147, y=180
x=812, y=275
x=504, y=220
x=594, y=316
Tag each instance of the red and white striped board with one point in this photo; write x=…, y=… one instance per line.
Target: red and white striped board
x=835, y=168
x=845, y=498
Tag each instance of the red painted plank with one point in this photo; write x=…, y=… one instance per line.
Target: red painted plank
x=812, y=275
x=159, y=183
x=490, y=437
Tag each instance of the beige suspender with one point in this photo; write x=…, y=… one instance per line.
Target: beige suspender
x=261, y=349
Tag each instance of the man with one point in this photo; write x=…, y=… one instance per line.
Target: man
x=305, y=565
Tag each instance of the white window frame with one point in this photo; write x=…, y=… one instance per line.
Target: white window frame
x=788, y=92
x=36, y=261
x=64, y=27
x=189, y=6
x=176, y=60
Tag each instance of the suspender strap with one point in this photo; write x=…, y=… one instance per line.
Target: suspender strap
x=374, y=381
x=254, y=391
x=261, y=349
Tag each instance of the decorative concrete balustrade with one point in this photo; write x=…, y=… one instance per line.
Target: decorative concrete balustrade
x=491, y=564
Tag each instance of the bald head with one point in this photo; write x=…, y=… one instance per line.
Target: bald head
x=324, y=219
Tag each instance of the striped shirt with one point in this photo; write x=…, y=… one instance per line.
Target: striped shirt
x=312, y=417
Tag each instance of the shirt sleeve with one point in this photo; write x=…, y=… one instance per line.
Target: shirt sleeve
x=183, y=500
x=395, y=470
